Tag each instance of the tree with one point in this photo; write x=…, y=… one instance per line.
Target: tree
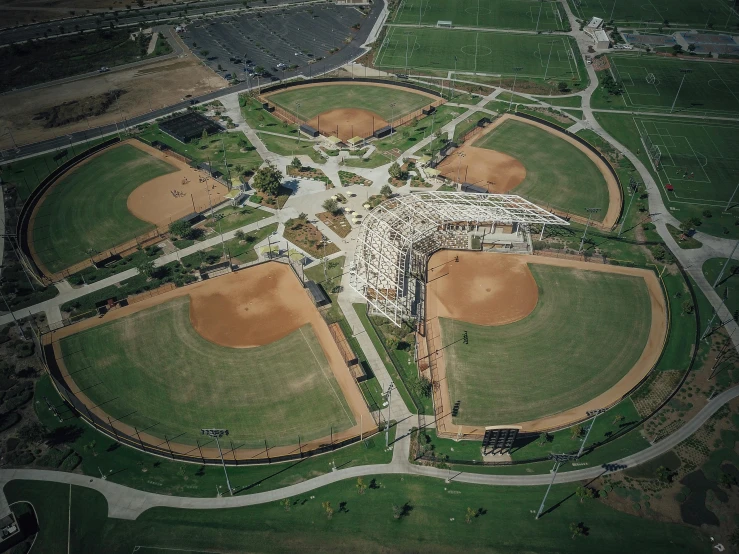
x=691, y=47
x=584, y=492
x=285, y=504
x=664, y=474
x=268, y=179
x=543, y=438
x=296, y=164
x=33, y=433
x=577, y=530
x=328, y=509
x=330, y=205
x=576, y=431
x=562, y=86
x=469, y=515
x=240, y=234
x=179, y=229
x=397, y=511
x=361, y=487
x=90, y=447
x=386, y=191
x=677, y=49
x=146, y=268
x=420, y=386
x=617, y=419
x=395, y=171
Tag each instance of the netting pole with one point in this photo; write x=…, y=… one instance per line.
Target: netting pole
x=169, y=447
x=266, y=448
x=200, y=450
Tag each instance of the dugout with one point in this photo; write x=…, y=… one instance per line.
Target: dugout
x=484, y=122
x=188, y=126
x=469, y=187
x=308, y=130
x=317, y=294
x=429, y=110
x=383, y=132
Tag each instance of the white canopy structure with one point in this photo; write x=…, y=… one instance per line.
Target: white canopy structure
x=398, y=236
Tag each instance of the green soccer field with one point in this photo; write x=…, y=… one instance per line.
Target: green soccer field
x=586, y=332
x=652, y=83
x=494, y=14
x=716, y=13
x=87, y=208
x=154, y=368
x=317, y=100
x=486, y=52
x=557, y=173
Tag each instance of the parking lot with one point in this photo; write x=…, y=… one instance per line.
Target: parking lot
x=286, y=42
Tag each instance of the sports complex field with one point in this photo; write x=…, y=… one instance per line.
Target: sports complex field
x=652, y=83
x=111, y=198
x=496, y=14
x=548, y=338
x=698, y=12
x=540, y=56
x=557, y=172
x=246, y=352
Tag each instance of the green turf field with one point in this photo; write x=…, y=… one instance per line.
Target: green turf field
x=434, y=514
x=651, y=83
x=557, y=173
x=316, y=100
x=495, y=14
x=586, y=332
x=714, y=13
x=160, y=370
x=87, y=208
x=540, y=56
x=728, y=286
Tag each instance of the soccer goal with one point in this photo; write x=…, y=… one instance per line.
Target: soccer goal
x=446, y=24
x=652, y=150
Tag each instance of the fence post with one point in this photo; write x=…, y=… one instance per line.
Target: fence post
x=113, y=429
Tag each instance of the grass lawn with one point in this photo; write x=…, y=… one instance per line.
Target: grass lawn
x=565, y=102
x=548, y=160
x=406, y=137
x=497, y=52
x=704, y=148
x=433, y=513
x=729, y=284
x=575, y=113
x=319, y=99
x=232, y=218
x=87, y=209
x=556, y=360
x=509, y=96
x=496, y=14
x=288, y=146
x=709, y=88
x=242, y=389
x=241, y=252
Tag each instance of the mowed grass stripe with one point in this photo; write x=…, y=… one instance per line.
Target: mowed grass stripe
x=160, y=370
x=586, y=332
x=317, y=100
x=557, y=173
x=87, y=209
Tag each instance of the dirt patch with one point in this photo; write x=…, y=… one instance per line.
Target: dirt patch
x=492, y=170
x=308, y=237
x=347, y=123
x=77, y=110
x=480, y=289
x=244, y=309
x=497, y=264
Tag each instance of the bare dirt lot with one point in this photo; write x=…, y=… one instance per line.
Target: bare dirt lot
x=244, y=309
x=146, y=87
x=347, y=123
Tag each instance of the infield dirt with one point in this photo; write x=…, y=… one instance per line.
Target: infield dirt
x=347, y=123
x=244, y=309
x=508, y=293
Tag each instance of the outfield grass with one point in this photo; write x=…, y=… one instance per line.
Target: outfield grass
x=246, y=390
x=557, y=173
x=495, y=14
x=498, y=53
x=536, y=367
x=434, y=514
x=319, y=99
x=709, y=88
x=687, y=12
x=705, y=148
x=87, y=208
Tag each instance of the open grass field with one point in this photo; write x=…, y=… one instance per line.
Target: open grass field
x=278, y=391
x=717, y=13
x=434, y=514
x=728, y=286
x=87, y=209
x=557, y=173
x=706, y=149
x=540, y=56
x=315, y=100
x=651, y=83
x=558, y=357
x=495, y=14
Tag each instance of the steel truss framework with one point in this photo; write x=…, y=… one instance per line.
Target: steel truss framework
x=398, y=236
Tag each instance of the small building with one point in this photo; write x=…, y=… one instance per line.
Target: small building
x=308, y=130
x=235, y=196
x=355, y=142
x=189, y=125
x=602, y=41
x=333, y=142
x=317, y=294
x=429, y=110
x=383, y=132
x=423, y=160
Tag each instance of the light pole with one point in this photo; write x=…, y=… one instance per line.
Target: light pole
x=392, y=120
x=297, y=123
x=634, y=187
x=515, y=75
x=590, y=211
x=684, y=72
x=721, y=274
x=460, y=155
x=388, y=393
x=454, y=80
x=216, y=433
x=594, y=414
x=559, y=459
x=732, y=197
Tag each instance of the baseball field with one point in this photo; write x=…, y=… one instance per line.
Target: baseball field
x=535, y=333
x=246, y=352
x=111, y=198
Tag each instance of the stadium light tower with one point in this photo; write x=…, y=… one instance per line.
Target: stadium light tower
x=721, y=273
x=392, y=120
x=594, y=414
x=559, y=459
x=388, y=393
x=633, y=187
x=216, y=433
x=684, y=72
x=460, y=155
x=590, y=211
x=515, y=75
x=297, y=122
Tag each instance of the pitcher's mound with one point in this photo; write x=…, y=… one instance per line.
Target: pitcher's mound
x=492, y=170
x=347, y=123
